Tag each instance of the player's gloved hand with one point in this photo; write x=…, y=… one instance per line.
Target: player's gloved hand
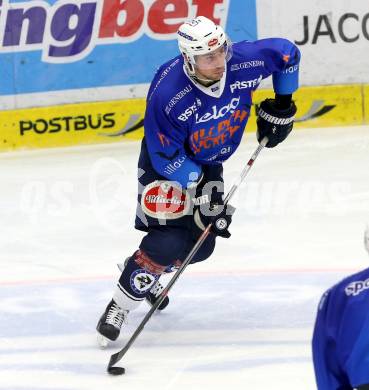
x=208, y=203
x=274, y=122
x=218, y=214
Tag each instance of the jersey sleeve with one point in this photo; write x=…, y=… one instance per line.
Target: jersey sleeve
x=322, y=346
x=282, y=58
x=354, y=341
x=165, y=139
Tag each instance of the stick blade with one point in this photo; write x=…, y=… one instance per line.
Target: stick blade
x=116, y=370
x=113, y=370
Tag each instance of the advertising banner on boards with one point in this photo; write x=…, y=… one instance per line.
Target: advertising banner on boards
x=77, y=71
x=333, y=36
x=75, y=44
x=116, y=121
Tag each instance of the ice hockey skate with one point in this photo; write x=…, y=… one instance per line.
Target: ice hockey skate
x=110, y=324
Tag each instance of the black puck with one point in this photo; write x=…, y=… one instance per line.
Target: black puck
x=116, y=370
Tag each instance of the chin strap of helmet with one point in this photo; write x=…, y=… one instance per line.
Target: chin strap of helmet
x=205, y=82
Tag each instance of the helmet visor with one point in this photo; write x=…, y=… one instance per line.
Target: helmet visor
x=216, y=58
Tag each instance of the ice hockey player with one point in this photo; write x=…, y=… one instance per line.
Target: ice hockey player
x=341, y=334
x=197, y=108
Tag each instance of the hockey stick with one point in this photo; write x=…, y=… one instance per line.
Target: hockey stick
x=114, y=359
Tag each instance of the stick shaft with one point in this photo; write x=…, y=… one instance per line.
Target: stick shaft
x=119, y=355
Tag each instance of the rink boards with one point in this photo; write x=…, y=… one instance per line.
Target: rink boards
x=64, y=82
x=120, y=120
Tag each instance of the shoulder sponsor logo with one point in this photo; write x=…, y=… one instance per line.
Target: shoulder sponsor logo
x=247, y=65
x=176, y=98
x=355, y=288
x=246, y=84
x=218, y=113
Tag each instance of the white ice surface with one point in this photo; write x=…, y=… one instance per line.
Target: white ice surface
x=242, y=319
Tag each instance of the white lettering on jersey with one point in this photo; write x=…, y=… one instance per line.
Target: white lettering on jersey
x=176, y=98
x=246, y=65
x=216, y=114
x=355, y=288
x=173, y=166
x=291, y=69
x=246, y=84
x=188, y=112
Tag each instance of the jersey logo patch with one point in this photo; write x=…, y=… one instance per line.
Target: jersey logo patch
x=246, y=84
x=216, y=135
x=165, y=200
x=217, y=113
x=142, y=281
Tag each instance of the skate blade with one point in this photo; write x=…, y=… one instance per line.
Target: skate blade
x=102, y=341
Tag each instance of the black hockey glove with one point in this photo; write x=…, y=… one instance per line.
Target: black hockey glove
x=216, y=213
x=208, y=202
x=274, y=122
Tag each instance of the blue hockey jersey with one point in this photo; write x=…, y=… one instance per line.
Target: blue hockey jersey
x=341, y=335
x=188, y=125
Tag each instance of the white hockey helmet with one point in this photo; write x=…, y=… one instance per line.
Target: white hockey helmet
x=201, y=36
x=366, y=238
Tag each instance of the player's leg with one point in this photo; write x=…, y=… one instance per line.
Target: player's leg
x=134, y=282
x=155, y=291
x=163, y=247
x=160, y=249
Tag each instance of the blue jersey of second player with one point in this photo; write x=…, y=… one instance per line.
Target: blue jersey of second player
x=188, y=125
x=341, y=336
